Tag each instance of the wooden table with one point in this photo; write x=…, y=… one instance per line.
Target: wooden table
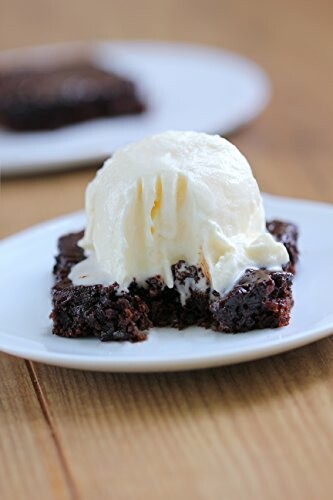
x=261, y=430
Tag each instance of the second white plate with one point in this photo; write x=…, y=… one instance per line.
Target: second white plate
x=186, y=87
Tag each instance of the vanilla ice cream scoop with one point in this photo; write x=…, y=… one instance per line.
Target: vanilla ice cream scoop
x=175, y=196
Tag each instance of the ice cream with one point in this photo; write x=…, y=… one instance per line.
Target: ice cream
x=175, y=196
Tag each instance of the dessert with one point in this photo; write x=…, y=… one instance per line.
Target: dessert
x=51, y=97
x=176, y=236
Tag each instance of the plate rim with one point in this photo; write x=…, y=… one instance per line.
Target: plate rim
x=74, y=361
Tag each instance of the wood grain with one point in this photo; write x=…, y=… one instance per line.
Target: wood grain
x=31, y=463
x=239, y=432
x=262, y=430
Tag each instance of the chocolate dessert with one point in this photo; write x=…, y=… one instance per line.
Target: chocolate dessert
x=260, y=299
x=51, y=97
x=175, y=236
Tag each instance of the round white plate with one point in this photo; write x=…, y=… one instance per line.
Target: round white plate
x=186, y=87
x=25, y=281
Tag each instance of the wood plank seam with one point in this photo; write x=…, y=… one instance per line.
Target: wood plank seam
x=54, y=435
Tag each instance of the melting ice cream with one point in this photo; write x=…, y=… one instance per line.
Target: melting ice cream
x=175, y=196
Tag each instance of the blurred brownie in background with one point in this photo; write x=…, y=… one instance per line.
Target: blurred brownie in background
x=51, y=97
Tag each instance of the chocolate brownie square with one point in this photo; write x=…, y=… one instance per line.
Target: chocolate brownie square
x=260, y=299
x=51, y=97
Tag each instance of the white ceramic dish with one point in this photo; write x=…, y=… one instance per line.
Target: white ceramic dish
x=186, y=87
x=26, y=260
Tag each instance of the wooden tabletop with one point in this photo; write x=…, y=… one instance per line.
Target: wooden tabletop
x=260, y=430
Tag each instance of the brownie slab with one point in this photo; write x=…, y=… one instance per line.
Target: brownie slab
x=260, y=299
x=48, y=98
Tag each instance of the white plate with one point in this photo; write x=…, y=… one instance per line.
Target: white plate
x=186, y=87
x=25, y=281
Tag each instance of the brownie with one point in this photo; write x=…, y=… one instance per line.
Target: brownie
x=51, y=97
x=260, y=298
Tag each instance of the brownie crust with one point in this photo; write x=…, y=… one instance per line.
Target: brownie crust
x=260, y=299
